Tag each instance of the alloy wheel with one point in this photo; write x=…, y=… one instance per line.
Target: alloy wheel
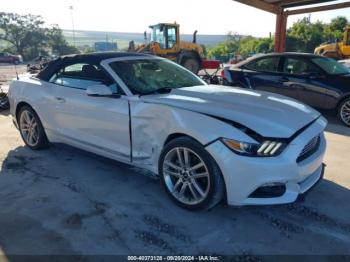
x=186, y=175
x=29, y=128
x=345, y=112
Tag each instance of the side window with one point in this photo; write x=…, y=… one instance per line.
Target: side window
x=269, y=64
x=76, y=67
x=82, y=75
x=298, y=67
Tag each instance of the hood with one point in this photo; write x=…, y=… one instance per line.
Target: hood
x=268, y=114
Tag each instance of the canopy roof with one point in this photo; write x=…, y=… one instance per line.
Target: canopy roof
x=285, y=8
x=279, y=6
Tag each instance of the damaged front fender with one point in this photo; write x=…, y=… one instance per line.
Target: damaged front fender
x=152, y=124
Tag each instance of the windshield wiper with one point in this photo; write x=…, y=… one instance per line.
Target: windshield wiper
x=161, y=90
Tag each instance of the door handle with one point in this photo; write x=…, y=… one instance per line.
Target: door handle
x=60, y=99
x=283, y=79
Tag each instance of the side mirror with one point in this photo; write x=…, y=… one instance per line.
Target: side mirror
x=99, y=90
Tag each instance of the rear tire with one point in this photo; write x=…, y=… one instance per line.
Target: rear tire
x=191, y=64
x=344, y=112
x=31, y=129
x=194, y=182
x=4, y=101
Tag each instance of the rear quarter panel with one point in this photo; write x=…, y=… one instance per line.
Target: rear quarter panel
x=33, y=92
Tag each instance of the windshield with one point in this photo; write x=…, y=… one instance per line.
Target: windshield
x=331, y=66
x=143, y=76
x=158, y=36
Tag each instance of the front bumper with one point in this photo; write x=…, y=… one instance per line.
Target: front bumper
x=244, y=175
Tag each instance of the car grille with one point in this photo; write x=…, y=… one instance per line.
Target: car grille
x=310, y=148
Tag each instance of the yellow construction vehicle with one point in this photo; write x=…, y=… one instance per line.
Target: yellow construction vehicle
x=165, y=42
x=338, y=50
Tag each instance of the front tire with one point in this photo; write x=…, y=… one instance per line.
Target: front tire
x=190, y=175
x=31, y=129
x=344, y=112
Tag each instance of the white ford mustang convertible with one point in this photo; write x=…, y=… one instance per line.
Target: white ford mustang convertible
x=207, y=143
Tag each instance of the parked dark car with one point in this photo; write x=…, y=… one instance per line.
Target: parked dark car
x=9, y=58
x=38, y=64
x=315, y=80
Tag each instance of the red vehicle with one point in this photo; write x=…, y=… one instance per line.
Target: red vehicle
x=9, y=58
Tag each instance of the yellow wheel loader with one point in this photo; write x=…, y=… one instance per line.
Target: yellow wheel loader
x=338, y=50
x=165, y=42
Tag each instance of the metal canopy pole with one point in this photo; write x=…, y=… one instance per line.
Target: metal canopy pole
x=278, y=7
x=280, y=33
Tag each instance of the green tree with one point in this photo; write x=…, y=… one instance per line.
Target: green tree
x=228, y=47
x=58, y=44
x=338, y=23
x=29, y=38
x=23, y=32
x=304, y=36
x=335, y=29
x=265, y=45
x=253, y=45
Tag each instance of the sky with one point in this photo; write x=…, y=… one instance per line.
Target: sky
x=206, y=16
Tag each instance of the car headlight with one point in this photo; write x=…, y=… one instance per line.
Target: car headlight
x=264, y=149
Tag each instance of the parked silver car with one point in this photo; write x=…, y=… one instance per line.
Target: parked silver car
x=207, y=143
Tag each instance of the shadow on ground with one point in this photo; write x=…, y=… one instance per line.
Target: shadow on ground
x=72, y=202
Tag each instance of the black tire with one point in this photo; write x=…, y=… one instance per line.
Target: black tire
x=344, y=105
x=225, y=82
x=42, y=139
x=241, y=85
x=217, y=186
x=192, y=64
x=4, y=101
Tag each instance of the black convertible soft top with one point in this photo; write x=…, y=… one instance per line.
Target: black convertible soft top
x=91, y=58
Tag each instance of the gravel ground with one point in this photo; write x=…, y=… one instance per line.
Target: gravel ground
x=65, y=201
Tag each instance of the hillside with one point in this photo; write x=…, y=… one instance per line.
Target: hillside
x=90, y=37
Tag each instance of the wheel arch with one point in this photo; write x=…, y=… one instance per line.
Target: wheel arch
x=19, y=106
x=346, y=96
x=176, y=135
x=42, y=141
